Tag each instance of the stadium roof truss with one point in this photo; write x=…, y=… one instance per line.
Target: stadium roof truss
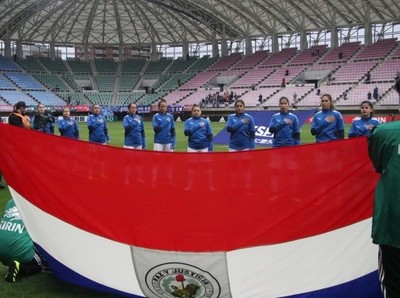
x=145, y=22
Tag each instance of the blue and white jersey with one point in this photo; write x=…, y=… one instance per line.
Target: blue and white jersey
x=68, y=127
x=98, y=131
x=164, y=129
x=284, y=134
x=359, y=126
x=242, y=135
x=199, y=133
x=327, y=131
x=134, y=131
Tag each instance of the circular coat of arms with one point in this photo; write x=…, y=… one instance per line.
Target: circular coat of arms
x=181, y=280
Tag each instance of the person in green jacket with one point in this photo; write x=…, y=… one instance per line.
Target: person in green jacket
x=17, y=250
x=384, y=152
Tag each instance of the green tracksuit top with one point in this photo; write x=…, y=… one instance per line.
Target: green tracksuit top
x=15, y=242
x=384, y=152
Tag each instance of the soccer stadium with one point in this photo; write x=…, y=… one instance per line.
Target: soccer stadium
x=111, y=222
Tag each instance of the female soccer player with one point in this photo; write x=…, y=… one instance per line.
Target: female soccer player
x=327, y=124
x=199, y=133
x=241, y=127
x=164, y=128
x=362, y=126
x=285, y=126
x=134, y=129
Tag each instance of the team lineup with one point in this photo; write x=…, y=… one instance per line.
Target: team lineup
x=327, y=124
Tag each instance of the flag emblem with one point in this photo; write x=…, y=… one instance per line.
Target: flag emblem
x=182, y=280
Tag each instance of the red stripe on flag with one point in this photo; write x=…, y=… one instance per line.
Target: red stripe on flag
x=192, y=202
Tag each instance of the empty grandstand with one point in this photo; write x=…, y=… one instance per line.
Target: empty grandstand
x=305, y=65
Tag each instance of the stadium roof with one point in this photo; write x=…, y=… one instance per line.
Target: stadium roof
x=142, y=22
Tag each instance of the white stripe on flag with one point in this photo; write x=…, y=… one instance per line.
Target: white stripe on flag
x=304, y=265
x=99, y=259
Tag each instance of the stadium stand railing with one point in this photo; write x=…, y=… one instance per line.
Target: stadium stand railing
x=180, y=65
x=6, y=84
x=280, y=58
x=24, y=81
x=51, y=81
x=125, y=98
x=157, y=67
x=347, y=50
x=376, y=51
x=7, y=65
x=177, y=96
x=12, y=97
x=31, y=65
x=133, y=66
x=79, y=67
x=289, y=91
x=252, y=78
x=198, y=81
x=55, y=66
x=105, y=66
x=105, y=83
x=74, y=98
x=47, y=98
x=226, y=62
x=251, y=61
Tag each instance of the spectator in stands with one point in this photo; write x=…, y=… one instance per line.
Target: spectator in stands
x=363, y=126
x=318, y=92
x=18, y=117
x=97, y=125
x=340, y=55
x=328, y=123
x=199, y=132
x=134, y=129
x=241, y=127
x=283, y=84
x=368, y=78
x=383, y=148
x=164, y=128
x=369, y=95
x=294, y=96
x=67, y=126
x=345, y=95
x=397, y=75
x=375, y=94
x=286, y=72
x=203, y=102
x=284, y=126
x=260, y=98
x=43, y=121
x=17, y=250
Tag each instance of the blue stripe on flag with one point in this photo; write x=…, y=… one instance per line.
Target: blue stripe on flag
x=364, y=287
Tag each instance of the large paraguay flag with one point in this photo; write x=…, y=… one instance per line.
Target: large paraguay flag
x=286, y=222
